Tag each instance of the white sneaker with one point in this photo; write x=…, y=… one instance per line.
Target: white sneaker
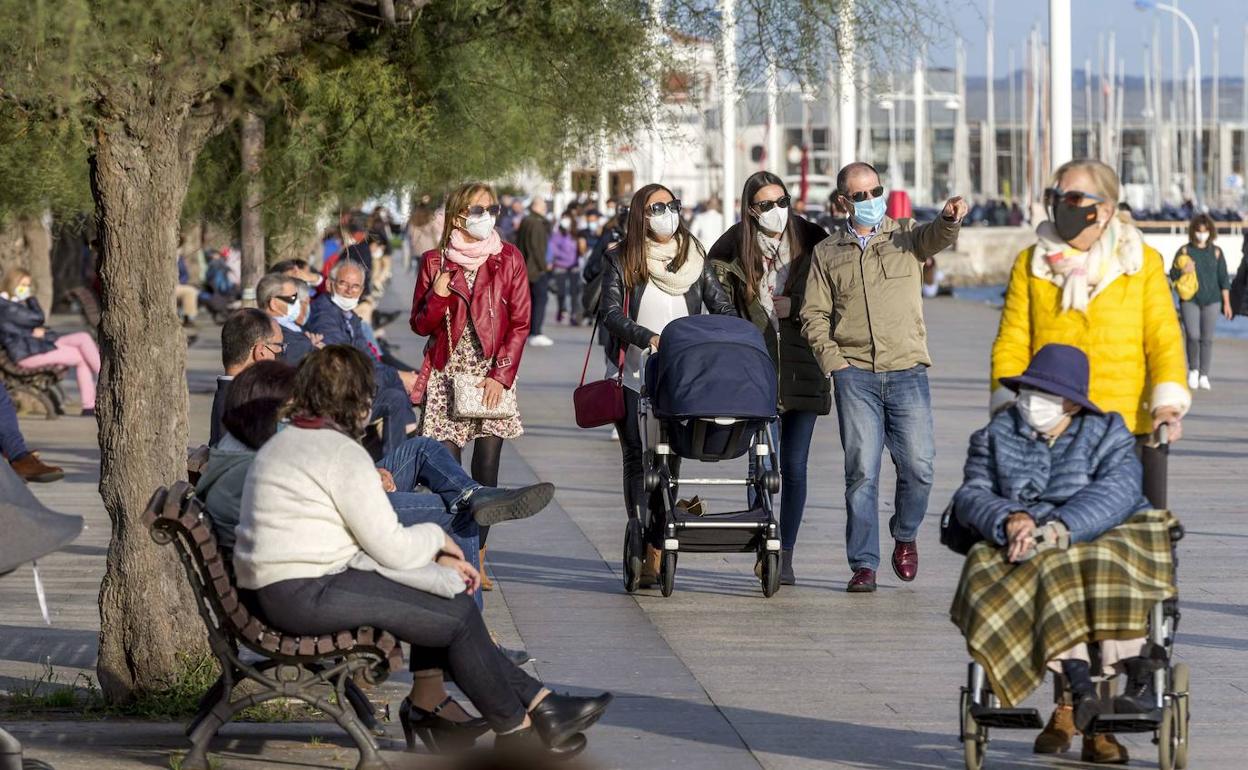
x=541, y=341
x=1193, y=379
x=1204, y=382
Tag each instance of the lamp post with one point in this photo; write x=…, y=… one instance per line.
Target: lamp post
x=1149, y=5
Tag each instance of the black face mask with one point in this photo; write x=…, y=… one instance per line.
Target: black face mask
x=1072, y=220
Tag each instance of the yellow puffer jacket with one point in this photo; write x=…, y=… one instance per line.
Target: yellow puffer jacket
x=1130, y=334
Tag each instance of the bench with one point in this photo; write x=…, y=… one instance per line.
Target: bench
x=41, y=384
x=307, y=668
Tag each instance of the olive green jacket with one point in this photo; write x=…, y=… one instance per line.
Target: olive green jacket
x=864, y=307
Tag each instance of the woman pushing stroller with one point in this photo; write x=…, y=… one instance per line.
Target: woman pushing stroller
x=1073, y=553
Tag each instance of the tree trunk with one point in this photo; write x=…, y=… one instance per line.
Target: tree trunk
x=253, y=197
x=140, y=169
x=26, y=242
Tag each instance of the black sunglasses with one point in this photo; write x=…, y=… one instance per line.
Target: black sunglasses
x=1073, y=198
x=289, y=300
x=765, y=206
x=866, y=195
x=476, y=211
x=281, y=347
x=654, y=209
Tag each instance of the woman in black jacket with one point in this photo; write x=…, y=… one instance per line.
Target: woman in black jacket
x=762, y=262
x=657, y=274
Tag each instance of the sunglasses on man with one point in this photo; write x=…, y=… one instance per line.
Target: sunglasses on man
x=476, y=211
x=289, y=299
x=765, y=206
x=866, y=195
x=655, y=209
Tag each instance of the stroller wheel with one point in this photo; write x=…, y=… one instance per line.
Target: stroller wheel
x=634, y=554
x=667, y=572
x=771, y=573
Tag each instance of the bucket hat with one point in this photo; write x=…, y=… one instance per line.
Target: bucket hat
x=1061, y=370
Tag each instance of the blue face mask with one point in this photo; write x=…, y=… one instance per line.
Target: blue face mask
x=870, y=212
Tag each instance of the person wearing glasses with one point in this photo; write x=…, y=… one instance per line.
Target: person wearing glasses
x=279, y=296
x=248, y=336
x=863, y=317
x=658, y=273
x=472, y=302
x=762, y=262
x=1090, y=281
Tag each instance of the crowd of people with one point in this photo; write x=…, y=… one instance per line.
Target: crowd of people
x=335, y=478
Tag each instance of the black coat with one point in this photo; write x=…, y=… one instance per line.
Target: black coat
x=17, y=322
x=706, y=291
x=804, y=386
x=297, y=346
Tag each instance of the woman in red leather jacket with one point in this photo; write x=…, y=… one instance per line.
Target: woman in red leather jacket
x=472, y=302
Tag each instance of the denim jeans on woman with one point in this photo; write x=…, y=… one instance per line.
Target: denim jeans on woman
x=877, y=410
x=12, y=445
x=791, y=435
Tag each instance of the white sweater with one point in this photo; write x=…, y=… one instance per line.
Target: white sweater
x=311, y=503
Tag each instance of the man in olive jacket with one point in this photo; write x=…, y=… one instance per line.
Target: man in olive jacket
x=863, y=317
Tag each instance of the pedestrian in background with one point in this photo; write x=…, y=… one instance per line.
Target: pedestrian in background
x=708, y=225
x=564, y=261
x=762, y=262
x=533, y=239
x=1200, y=257
x=863, y=317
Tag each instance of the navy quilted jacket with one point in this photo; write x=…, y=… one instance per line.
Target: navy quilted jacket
x=1089, y=478
x=18, y=319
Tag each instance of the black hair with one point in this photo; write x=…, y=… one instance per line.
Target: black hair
x=242, y=331
x=749, y=254
x=255, y=400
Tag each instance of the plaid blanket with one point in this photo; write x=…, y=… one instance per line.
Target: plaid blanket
x=1015, y=617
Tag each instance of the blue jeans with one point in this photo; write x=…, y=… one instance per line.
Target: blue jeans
x=877, y=410
x=12, y=445
x=425, y=462
x=393, y=406
x=792, y=435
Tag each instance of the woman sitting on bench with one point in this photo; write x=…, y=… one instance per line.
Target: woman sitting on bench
x=323, y=548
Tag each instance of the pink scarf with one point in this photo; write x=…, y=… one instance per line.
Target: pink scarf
x=472, y=254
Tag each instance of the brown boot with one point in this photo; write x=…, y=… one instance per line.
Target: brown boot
x=1103, y=749
x=32, y=469
x=1058, y=733
x=650, y=568
x=486, y=583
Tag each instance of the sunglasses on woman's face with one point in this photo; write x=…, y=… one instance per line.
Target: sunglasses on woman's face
x=765, y=206
x=655, y=209
x=1073, y=198
x=476, y=211
x=866, y=195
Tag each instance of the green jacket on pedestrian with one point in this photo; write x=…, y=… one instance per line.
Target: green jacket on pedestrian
x=864, y=306
x=1212, y=277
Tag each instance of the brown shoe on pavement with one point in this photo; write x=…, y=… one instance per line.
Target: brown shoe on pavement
x=650, y=567
x=863, y=581
x=32, y=469
x=1058, y=733
x=906, y=560
x=1103, y=750
x=486, y=583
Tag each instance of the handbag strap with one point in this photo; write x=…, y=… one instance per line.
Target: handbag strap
x=590, y=348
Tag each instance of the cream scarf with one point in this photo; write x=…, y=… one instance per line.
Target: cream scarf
x=776, y=258
x=1081, y=275
x=659, y=258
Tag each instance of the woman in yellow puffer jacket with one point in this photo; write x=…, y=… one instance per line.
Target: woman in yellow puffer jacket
x=1091, y=282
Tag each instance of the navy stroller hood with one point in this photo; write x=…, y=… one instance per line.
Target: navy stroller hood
x=712, y=366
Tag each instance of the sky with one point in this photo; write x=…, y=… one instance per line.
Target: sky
x=1133, y=28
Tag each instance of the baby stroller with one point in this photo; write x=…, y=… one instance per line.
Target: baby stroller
x=1167, y=721
x=709, y=394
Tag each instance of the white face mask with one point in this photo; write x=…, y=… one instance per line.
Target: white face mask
x=565, y=223
x=1202, y=238
x=1042, y=411
x=480, y=226
x=292, y=311
x=664, y=225
x=774, y=221
x=345, y=303
x=21, y=293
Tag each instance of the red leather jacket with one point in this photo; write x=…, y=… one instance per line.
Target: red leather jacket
x=499, y=303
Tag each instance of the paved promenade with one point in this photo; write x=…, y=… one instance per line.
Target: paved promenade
x=715, y=676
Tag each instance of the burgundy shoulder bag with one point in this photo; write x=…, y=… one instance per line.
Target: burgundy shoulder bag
x=602, y=402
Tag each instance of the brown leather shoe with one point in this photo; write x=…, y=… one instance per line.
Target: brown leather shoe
x=863, y=581
x=650, y=567
x=906, y=560
x=32, y=469
x=1058, y=733
x=1103, y=749
x=486, y=583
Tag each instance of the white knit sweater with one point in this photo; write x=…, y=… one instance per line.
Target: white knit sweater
x=312, y=502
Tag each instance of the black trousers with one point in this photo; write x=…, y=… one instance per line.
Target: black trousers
x=648, y=506
x=444, y=633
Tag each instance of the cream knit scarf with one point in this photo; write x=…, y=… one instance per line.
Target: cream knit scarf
x=1081, y=275
x=659, y=258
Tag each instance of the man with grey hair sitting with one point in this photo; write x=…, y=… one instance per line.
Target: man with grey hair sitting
x=285, y=300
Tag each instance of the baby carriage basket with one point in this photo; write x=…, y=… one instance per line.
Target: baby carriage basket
x=709, y=394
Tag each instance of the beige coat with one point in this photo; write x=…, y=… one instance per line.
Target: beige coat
x=865, y=307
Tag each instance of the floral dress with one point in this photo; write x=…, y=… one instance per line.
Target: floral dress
x=466, y=358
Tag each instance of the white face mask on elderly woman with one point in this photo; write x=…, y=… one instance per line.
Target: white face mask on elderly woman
x=1042, y=411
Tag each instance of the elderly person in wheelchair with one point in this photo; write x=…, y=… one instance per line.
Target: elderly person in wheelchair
x=1072, y=558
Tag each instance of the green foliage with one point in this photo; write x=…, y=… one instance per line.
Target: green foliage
x=43, y=165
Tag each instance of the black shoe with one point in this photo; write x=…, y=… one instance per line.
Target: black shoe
x=1139, y=695
x=517, y=657
x=438, y=733
x=1087, y=704
x=559, y=717
x=786, y=568
x=493, y=505
x=526, y=742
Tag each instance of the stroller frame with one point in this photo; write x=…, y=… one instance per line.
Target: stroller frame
x=755, y=529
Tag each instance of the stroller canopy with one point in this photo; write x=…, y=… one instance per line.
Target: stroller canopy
x=712, y=366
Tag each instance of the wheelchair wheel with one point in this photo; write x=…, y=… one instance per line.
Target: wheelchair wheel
x=1180, y=681
x=771, y=573
x=634, y=555
x=974, y=737
x=667, y=572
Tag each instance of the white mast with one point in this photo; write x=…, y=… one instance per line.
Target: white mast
x=961, y=133
x=775, y=153
x=921, y=179
x=1060, y=149
x=847, y=88
x=988, y=141
x=728, y=105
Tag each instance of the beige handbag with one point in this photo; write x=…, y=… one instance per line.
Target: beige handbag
x=467, y=404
